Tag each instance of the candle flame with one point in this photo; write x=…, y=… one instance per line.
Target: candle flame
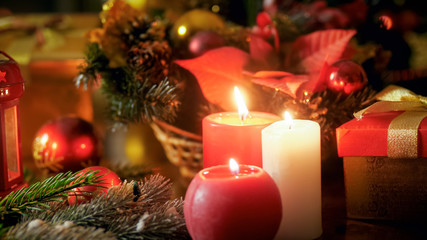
x=241, y=106
x=288, y=119
x=234, y=166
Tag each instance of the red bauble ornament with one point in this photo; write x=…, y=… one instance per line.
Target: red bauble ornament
x=346, y=76
x=66, y=144
x=204, y=41
x=109, y=179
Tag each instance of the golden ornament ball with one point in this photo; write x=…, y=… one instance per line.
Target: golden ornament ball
x=196, y=20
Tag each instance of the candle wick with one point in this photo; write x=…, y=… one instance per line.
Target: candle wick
x=243, y=117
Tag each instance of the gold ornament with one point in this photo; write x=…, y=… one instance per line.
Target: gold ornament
x=196, y=20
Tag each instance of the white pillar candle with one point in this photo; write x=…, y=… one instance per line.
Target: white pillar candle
x=291, y=155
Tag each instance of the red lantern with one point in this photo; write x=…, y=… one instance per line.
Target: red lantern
x=11, y=89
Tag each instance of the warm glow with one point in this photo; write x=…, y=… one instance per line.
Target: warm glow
x=44, y=139
x=215, y=8
x=241, y=106
x=288, y=119
x=137, y=4
x=182, y=30
x=83, y=146
x=54, y=145
x=306, y=98
x=234, y=166
x=134, y=148
x=386, y=21
x=107, y=5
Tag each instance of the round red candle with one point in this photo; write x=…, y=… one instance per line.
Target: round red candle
x=226, y=136
x=222, y=205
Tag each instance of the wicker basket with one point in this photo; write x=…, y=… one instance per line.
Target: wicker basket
x=182, y=148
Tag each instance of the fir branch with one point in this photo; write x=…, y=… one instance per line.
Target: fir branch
x=162, y=224
x=36, y=196
x=95, y=62
x=133, y=210
x=136, y=93
x=38, y=229
x=3, y=230
x=155, y=189
x=142, y=102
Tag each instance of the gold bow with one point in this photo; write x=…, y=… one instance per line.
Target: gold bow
x=402, y=139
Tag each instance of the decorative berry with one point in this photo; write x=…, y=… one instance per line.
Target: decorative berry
x=204, y=41
x=346, y=76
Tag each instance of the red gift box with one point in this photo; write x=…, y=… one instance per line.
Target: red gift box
x=368, y=136
x=378, y=186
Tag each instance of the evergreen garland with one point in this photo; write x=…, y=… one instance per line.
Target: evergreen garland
x=133, y=210
x=37, y=196
x=134, y=95
x=130, y=58
x=38, y=229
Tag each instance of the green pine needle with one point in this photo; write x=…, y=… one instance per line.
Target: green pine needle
x=36, y=196
x=3, y=230
x=132, y=210
x=133, y=95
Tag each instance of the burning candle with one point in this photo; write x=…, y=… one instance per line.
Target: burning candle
x=232, y=202
x=291, y=155
x=234, y=135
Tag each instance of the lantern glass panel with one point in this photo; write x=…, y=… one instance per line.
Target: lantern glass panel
x=11, y=132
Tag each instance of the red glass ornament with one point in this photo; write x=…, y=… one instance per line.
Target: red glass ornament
x=11, y=90
x=66, y=144
x=109, y=180
x=346, y=76
x=204, y=41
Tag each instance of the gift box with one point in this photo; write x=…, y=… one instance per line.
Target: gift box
x=385, y=163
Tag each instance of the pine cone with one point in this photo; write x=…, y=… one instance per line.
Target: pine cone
x=144, y=29
x=150, y=60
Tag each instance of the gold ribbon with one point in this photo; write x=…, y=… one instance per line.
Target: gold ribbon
x=402, y=138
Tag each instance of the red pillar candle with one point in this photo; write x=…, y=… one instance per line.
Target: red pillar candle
x=234, y=135
x=225, y=203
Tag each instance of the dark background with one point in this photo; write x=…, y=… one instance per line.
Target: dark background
x=30, y=6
